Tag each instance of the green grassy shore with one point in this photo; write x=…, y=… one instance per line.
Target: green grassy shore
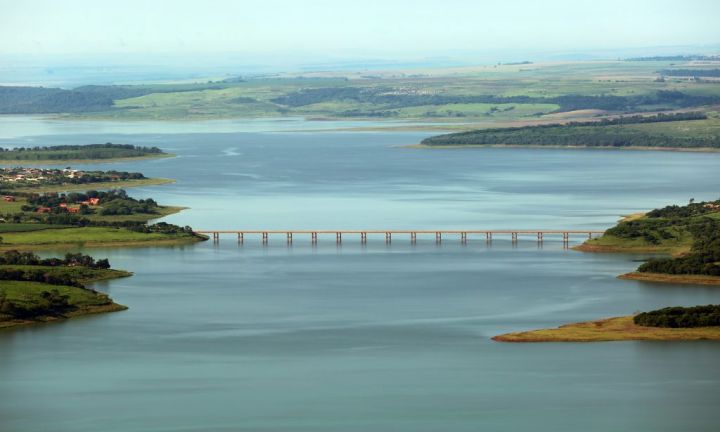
x=80, y=301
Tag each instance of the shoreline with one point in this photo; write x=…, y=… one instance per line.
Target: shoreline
x=8, y=162
x=609, y=330
x=578, y=147
x=87, y=311
x=125, y=244
x=672, y=278
x=593, y=248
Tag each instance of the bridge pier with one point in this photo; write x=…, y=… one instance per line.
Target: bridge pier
x=463, y=237
x=264, y=237
x=566, y=237
x=363, y=237
x=241, y=238
x=514, y=237
x=540, y=237
x=338, y=237
x=438, y=237
x=313, y=237
x=289, y=238
x=388, y=237
x=488, y=237
x=216, y=237
x=413, y=237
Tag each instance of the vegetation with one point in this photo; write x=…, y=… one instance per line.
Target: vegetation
x=78, y=152
x=612, y=329
x=466, y=95
x=27, y=302
x=681, y=317
x=703, y=258
x=33, y=288
x=690, y=232
x=604, y=133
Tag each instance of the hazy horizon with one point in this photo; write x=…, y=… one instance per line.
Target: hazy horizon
x=348, y=29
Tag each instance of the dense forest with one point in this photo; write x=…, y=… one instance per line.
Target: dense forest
x=698, y=220
x=387, y=98
x=680, y=317
x=604, y=133
x=703, y=259
x=77, y=152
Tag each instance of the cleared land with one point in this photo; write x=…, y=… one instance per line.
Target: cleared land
x=611, y=329
x=88, y=237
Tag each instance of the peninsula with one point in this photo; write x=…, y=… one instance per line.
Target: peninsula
x=41, y=290
x=675, y=323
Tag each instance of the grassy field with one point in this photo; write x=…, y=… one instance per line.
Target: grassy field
x=83, y=301
x=680, y=243
x=25, y=227
x=70, y=187
x=87, y=237
x=84, y=275
x=612, y=329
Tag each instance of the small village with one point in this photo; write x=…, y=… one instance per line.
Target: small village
x=20, y=174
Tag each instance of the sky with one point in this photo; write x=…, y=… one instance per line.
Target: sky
x=350, y=28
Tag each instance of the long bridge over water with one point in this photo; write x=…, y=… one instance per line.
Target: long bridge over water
x=462, y=235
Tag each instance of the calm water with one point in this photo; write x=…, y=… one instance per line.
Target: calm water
x=366, y=338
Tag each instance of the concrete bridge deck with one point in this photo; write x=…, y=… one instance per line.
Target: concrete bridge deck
x=462, y=234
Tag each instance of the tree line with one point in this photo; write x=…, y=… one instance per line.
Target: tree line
x=680, y=317
x=388, y=98
x=604, y=133
x=67, y=152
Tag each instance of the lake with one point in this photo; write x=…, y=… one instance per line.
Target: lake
x=372, y=337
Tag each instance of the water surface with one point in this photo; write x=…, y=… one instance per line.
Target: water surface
x=379, y=337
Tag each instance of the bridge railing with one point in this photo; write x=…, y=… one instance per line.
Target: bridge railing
x=413, y=234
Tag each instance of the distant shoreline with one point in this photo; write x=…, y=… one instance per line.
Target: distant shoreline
x=574, y=147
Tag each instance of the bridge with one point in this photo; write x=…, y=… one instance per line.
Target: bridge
x=462, y=235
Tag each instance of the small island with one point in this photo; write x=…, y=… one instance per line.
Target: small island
x=89, y=153
x=36, y=290
x=668, y=324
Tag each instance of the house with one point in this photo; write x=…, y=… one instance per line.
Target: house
x=44, y=210
x=73, y=209
x=63, y=205
x=94, y=201
x=9, y=198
